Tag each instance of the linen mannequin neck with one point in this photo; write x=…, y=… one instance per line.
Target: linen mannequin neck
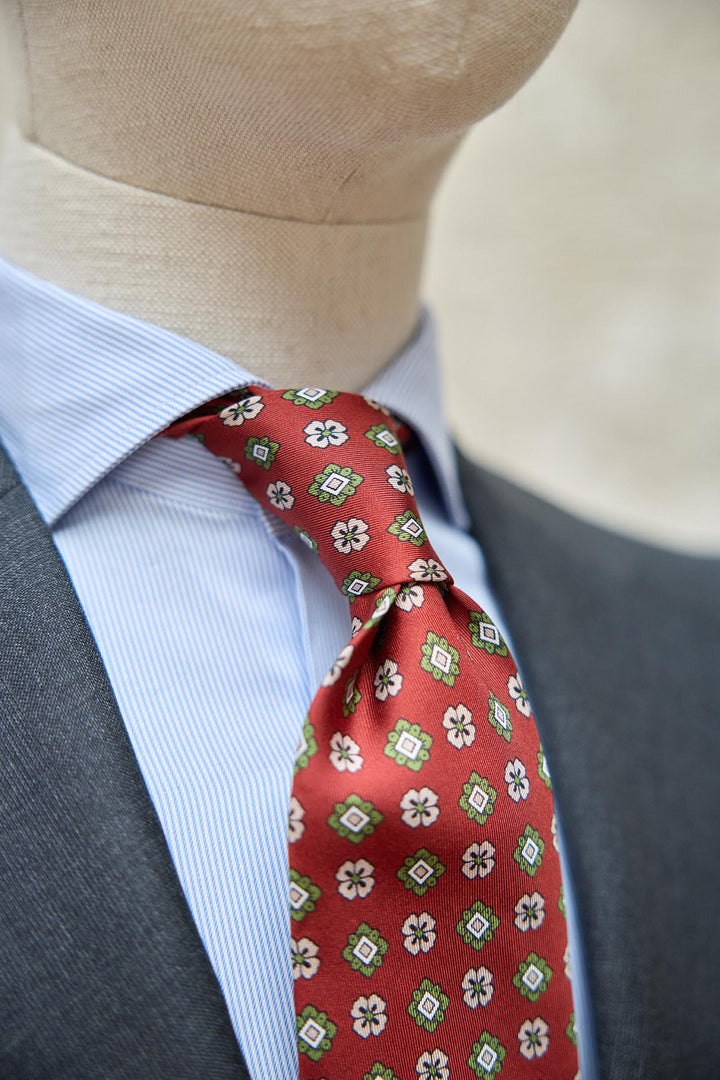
x=253, y=174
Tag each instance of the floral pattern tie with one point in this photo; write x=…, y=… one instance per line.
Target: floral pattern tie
x=427, y=922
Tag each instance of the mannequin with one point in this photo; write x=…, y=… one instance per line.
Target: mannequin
x=255, y=176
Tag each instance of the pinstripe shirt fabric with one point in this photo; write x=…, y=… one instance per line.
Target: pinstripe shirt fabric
x=164, y=546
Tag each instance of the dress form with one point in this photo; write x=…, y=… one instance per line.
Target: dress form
x=254, y=175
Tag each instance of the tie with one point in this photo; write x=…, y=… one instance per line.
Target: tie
x=428, y=939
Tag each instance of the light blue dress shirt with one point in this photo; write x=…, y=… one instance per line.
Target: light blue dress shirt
x=198, y=599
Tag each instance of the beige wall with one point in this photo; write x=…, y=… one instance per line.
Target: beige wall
x=575, y=270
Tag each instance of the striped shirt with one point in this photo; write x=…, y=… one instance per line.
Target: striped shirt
x=197, y=598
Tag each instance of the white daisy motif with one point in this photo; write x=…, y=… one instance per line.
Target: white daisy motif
x=478, y=986
x=340, y=664
x=516, y=690
x=516, y=779
x=376, y=405
x=410, y=596
x=304, y=956
x=432, y=1065
x=478, y=859
x=419, y=933
x=356, y=879
x=427, y=570
x=369, y=1015
x=460, y=728
x=566, y=961
x=237, y=414
x=399, y=479
x=296, y=825
x=324, y=433
x=388, y=680
x=351, y=535
x=234, y=466
x=345, y=753
x=355, y=625
x=280, y=495
x=529, y=911
x=420, y=807
x=533, y=1038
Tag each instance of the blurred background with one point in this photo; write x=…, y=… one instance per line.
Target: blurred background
x=574, y=269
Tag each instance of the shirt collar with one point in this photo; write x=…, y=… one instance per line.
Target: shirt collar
x=85, y=386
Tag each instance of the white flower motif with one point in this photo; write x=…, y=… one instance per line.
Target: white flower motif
x=345, y=754
x=304, y=958
x=478, y=986
x=356, y=625
x=554, y=831
x=340, y=664
x=234, y=466
x=324, y=433
x=376, y=405
x=399, y=479
x=280, y=495
x=460, y=728
x=478, y=859
x=533, y=1038
x=516, y=690
x=388, y=680
x=432, y=1065
x=246, y=409
x=566, y=961
x=410, y=596
x=516, y=779
x=369, y=1015
x=529, y=911
x=420, y=807
x=427, y=570
x=351, y=535
x=419, y=933
x=356, y=879
x=296, y=825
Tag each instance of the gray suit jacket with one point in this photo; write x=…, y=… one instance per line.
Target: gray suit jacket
x=102, y=972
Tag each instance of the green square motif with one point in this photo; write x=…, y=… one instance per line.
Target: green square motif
x=354, y=819
x=408, y=745
x=335, y=484
x=365, y=950
x=315, y=1032
x=499, y=717
x=358, y=583
x=261, y=451
x=303, y=895
x=384, y=438
x=311, y=397
x=532, y=976
x=478, y=798
x=487, y=1056
x=485, y=634
x=529, y=851
x=440, y=659
x=477, y=925
x=428, y=1005
x=408, y=528
x=421, y=871
x=378, y=1071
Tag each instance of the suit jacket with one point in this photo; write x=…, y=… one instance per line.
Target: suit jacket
x=103, y=974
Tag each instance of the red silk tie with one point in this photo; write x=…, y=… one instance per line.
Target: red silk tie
x=427, y=921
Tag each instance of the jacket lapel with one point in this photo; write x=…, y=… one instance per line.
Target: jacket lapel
x=616, y=641
x=103, y=972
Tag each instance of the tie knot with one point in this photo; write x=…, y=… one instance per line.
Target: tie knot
x=331, y=465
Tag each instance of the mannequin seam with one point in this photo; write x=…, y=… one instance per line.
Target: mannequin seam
x=220, y=206
x=28, y=70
